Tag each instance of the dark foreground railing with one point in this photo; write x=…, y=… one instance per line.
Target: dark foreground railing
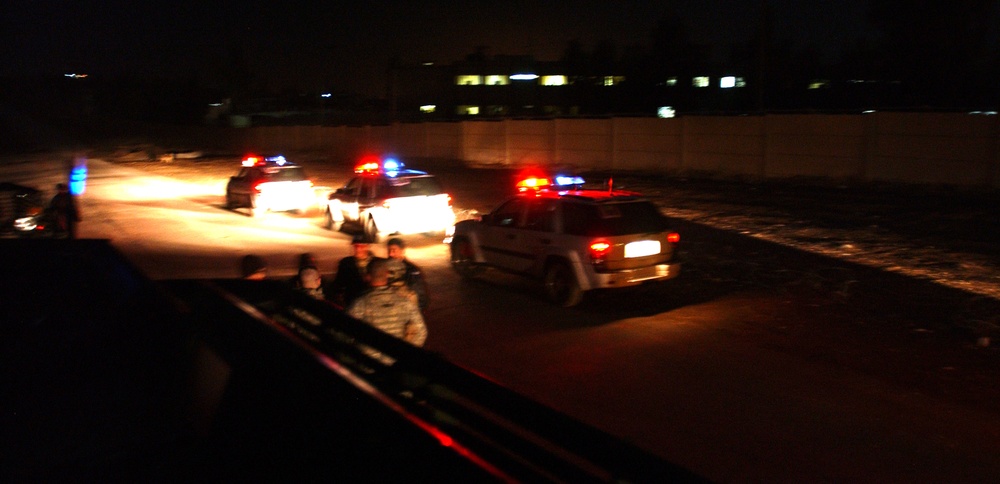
x=110, y=377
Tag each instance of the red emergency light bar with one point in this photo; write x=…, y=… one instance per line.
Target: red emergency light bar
x=373, y=165
x=540, y=183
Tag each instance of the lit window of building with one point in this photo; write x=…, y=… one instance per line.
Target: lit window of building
x=523, y=77
x=727, y=82
x=554, y=80
x=672, y=81
x=613, y=80
x=497, y=80
x=428, y=108
x=469, y=80
x=468, y=110
x=701, y=81
x=666, y=112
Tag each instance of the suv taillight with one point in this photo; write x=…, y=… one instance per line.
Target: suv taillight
x=673, y=237
x=599, y=250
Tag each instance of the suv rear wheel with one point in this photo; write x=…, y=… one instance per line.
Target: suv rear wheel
x=561, y=286
x=462, y=260
x=331, y=222
x=371, y=230
x=255, y=209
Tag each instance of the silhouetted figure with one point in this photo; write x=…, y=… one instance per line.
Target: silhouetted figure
x=404, y=273
x=64, y=213
x=351, y=279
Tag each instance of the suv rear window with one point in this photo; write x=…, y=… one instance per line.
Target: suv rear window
x=413, y=187
x=288, y=173
x=610, y=219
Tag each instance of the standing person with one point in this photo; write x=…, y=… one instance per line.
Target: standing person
x=310, y=282
x=351, y=279
x=410, y=274
x=64, y=211
x=308, y=279
x=388, y=310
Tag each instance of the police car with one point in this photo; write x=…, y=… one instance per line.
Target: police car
x=573, y=239
x=384, y=197
x=272, y=184
x=22, y=211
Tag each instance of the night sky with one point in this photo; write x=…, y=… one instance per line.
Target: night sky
x=343, y=46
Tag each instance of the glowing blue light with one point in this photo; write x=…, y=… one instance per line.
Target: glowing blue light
x=568, y=180
x=78, y=179
x=280, y=160
x=391, y=164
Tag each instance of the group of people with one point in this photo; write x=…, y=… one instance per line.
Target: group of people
x=389, y=293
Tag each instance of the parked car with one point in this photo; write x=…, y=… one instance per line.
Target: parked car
x=270, y=184
x=573, y=239
x=22, y=211
x=384, y=197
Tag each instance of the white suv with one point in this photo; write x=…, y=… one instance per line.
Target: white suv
x=385, y=198
x=272, y=184
x=574, y=240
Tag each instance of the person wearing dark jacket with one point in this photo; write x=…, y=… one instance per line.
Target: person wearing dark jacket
x=64, y=211
x=351, y=279
x=308, y=278
x=406, y=273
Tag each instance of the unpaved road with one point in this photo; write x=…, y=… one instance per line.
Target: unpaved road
x=761, y=363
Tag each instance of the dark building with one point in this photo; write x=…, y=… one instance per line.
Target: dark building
x=521, y=86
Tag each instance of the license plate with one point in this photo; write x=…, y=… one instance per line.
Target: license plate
x=642, y=248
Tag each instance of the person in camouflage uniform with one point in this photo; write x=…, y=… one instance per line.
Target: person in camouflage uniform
x=405, y=275
x=388, y=310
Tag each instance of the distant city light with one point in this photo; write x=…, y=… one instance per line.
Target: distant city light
x=666, y=112
x=701, y=81
x=727, y=82
x=672, y=81
x=469, y=80
x=215, y=105
x=428, y=108
x=523, y=77
x=554, y=80
x=326, y=94
x=75, y=76
x=497, y=80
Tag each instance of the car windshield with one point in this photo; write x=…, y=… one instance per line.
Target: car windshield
x=610, y=219
x=414, y=186
x=288, y=173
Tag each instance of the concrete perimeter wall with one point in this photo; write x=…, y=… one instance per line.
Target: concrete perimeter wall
x=919, y=148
